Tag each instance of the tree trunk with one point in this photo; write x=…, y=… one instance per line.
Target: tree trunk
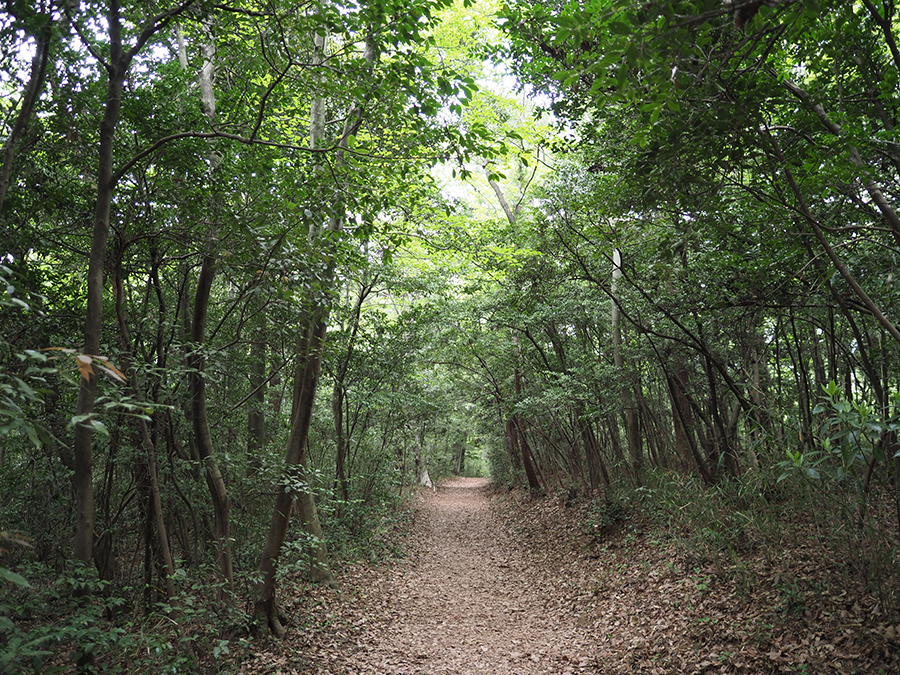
x=512, y=447
x=306, y=378
x=197, y=361
x=117, y=65
x=517, y=431
x=596, y=466
x=524, y=452
x=632, y=430
x=615, y=440
x=117, y=69
x=339, y=396
x=683, y=420
x=256, y=416
x=337, y=415
x=200, y=420
x=32, y=91
x=422, y=475
x=510, y=214
x=459, y=455
x=162, y=537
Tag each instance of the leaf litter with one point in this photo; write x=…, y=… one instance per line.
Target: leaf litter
x=509, y=585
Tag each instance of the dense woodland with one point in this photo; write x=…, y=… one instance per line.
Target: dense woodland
x=270, y=264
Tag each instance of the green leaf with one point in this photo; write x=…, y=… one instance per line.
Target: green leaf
x=32, y=436
x=12, y=577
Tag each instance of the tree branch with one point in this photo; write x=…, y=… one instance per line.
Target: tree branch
x=835, y=129
x=826, y=245
x=38, y=71
x=156, y=24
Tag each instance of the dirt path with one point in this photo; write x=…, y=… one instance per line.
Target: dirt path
x=470, y=600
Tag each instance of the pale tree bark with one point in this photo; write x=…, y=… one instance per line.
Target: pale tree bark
x=511, y=212
x=459, y=455
x=501, y=198
x=422, y=475
x=307, y=377
x=197, y=361
x=632, y=431
x=306, y=380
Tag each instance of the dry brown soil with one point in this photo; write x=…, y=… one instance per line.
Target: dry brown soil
x=515, y=586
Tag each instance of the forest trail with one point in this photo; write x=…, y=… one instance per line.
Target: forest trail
x=469, y=600
x=508, y=585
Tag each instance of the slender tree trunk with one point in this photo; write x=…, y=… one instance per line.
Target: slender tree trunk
x=596, y=466
x=256, y=416
x=512, y=448
x=459, y=455
x=721, y=441
x=337, y=415
x=162, y=537
x=501, y=199
x=801, y=377
x=632, y=429
x=759, y=415
x=683, y=416
x=117, y=69
x=32, y=91
x=305, y=383
x=422, y=476
x=339, y=395
x=518, y=428
x=306, y=380
x=117, y=65
x=197, y=360
x=522, y=453
x=200, y=420
x=818, y=364
x=615, y=440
